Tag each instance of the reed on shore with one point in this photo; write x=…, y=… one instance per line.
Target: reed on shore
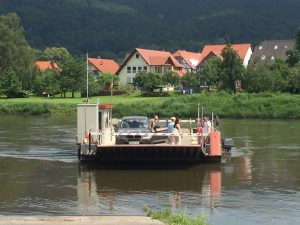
x=168, y=217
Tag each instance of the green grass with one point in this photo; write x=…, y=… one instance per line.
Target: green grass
x=166, y=216
x=225, y=105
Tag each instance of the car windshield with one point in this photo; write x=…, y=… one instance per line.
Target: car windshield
x=134, y=123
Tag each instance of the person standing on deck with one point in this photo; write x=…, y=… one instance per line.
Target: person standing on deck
x=170, y=130
x=153, y=124
x=206, y=129
x=176, y=132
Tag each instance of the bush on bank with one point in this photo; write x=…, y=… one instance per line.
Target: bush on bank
x=223, y=104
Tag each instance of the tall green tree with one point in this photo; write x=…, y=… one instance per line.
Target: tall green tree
x=50, y=79
x=15, y=52
x=293, y=79
x=293, y=57
x=72, y=75
x=10, y=84
x=59, y=55
x=211, y=70
x=232, y=69
x=298, y=39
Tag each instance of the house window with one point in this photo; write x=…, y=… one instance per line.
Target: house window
x=128, y=69
x=128, y=80
x=260, y=47
x=168, y=68
x=133, y=69
x=285, y=47
x=145, y=68
x=276, y=47
x=272, y=58
x=137, y=55
x=139, y=68
x=158, y=69
x=263, y=57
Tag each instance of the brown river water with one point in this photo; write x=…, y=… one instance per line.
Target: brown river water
x=258, y=184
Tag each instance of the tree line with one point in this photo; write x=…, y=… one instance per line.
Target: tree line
x=109, y=28
x=19, y=77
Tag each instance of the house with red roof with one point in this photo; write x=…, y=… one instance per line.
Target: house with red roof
x=100, y=66
x=243, y=50
x=146, y=60
x=189, y=60
x=47, y=65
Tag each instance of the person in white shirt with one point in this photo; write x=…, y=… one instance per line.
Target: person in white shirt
x=206, y=126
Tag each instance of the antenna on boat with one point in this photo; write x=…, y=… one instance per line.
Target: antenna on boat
x=87, y=77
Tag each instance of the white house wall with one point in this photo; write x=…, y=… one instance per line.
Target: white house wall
x=247, y=57
x=132, y=62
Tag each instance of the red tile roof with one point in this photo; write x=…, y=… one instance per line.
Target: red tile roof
x=105, y=65
x=45, y=65
x=241, y=49
x=191, y=58
x=157, y=58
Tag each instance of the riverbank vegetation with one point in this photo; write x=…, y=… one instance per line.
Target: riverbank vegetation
x=226, y=105
x=19, y=78
x=166, y=216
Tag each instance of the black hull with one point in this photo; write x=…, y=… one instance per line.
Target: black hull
x=140, y=154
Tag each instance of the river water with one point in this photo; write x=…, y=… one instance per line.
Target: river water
x=258, y=184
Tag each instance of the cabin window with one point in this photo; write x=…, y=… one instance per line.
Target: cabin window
x=128, y=69
x=133, y=69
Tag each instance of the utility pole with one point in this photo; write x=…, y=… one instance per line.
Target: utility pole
x=87, y=77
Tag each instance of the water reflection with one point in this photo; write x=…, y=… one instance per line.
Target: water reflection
x=109, y=190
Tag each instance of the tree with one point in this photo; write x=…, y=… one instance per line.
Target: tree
x=298, y=39
x=171, y=78
x=10, y=84
x=147, y=82
x=232, y=69
x=293, y=79
x=260, y=78
x=106, y=80
x=51, y=81
x=190, y=80
x=72, y=75
x=15, y=53
x=211, y=70
x=293, y=57
x=59, y=55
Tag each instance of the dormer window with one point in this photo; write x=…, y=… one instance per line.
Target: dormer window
x=137, y=55
x=272, y=58
x=260, y=47
x=263, y=57
x=285, y=47
x=275, y=47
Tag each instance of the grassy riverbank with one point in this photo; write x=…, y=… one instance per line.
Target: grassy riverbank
x=167, y=217
x=243, y=105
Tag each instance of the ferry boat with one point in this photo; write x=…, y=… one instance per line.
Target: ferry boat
x=99, y=141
